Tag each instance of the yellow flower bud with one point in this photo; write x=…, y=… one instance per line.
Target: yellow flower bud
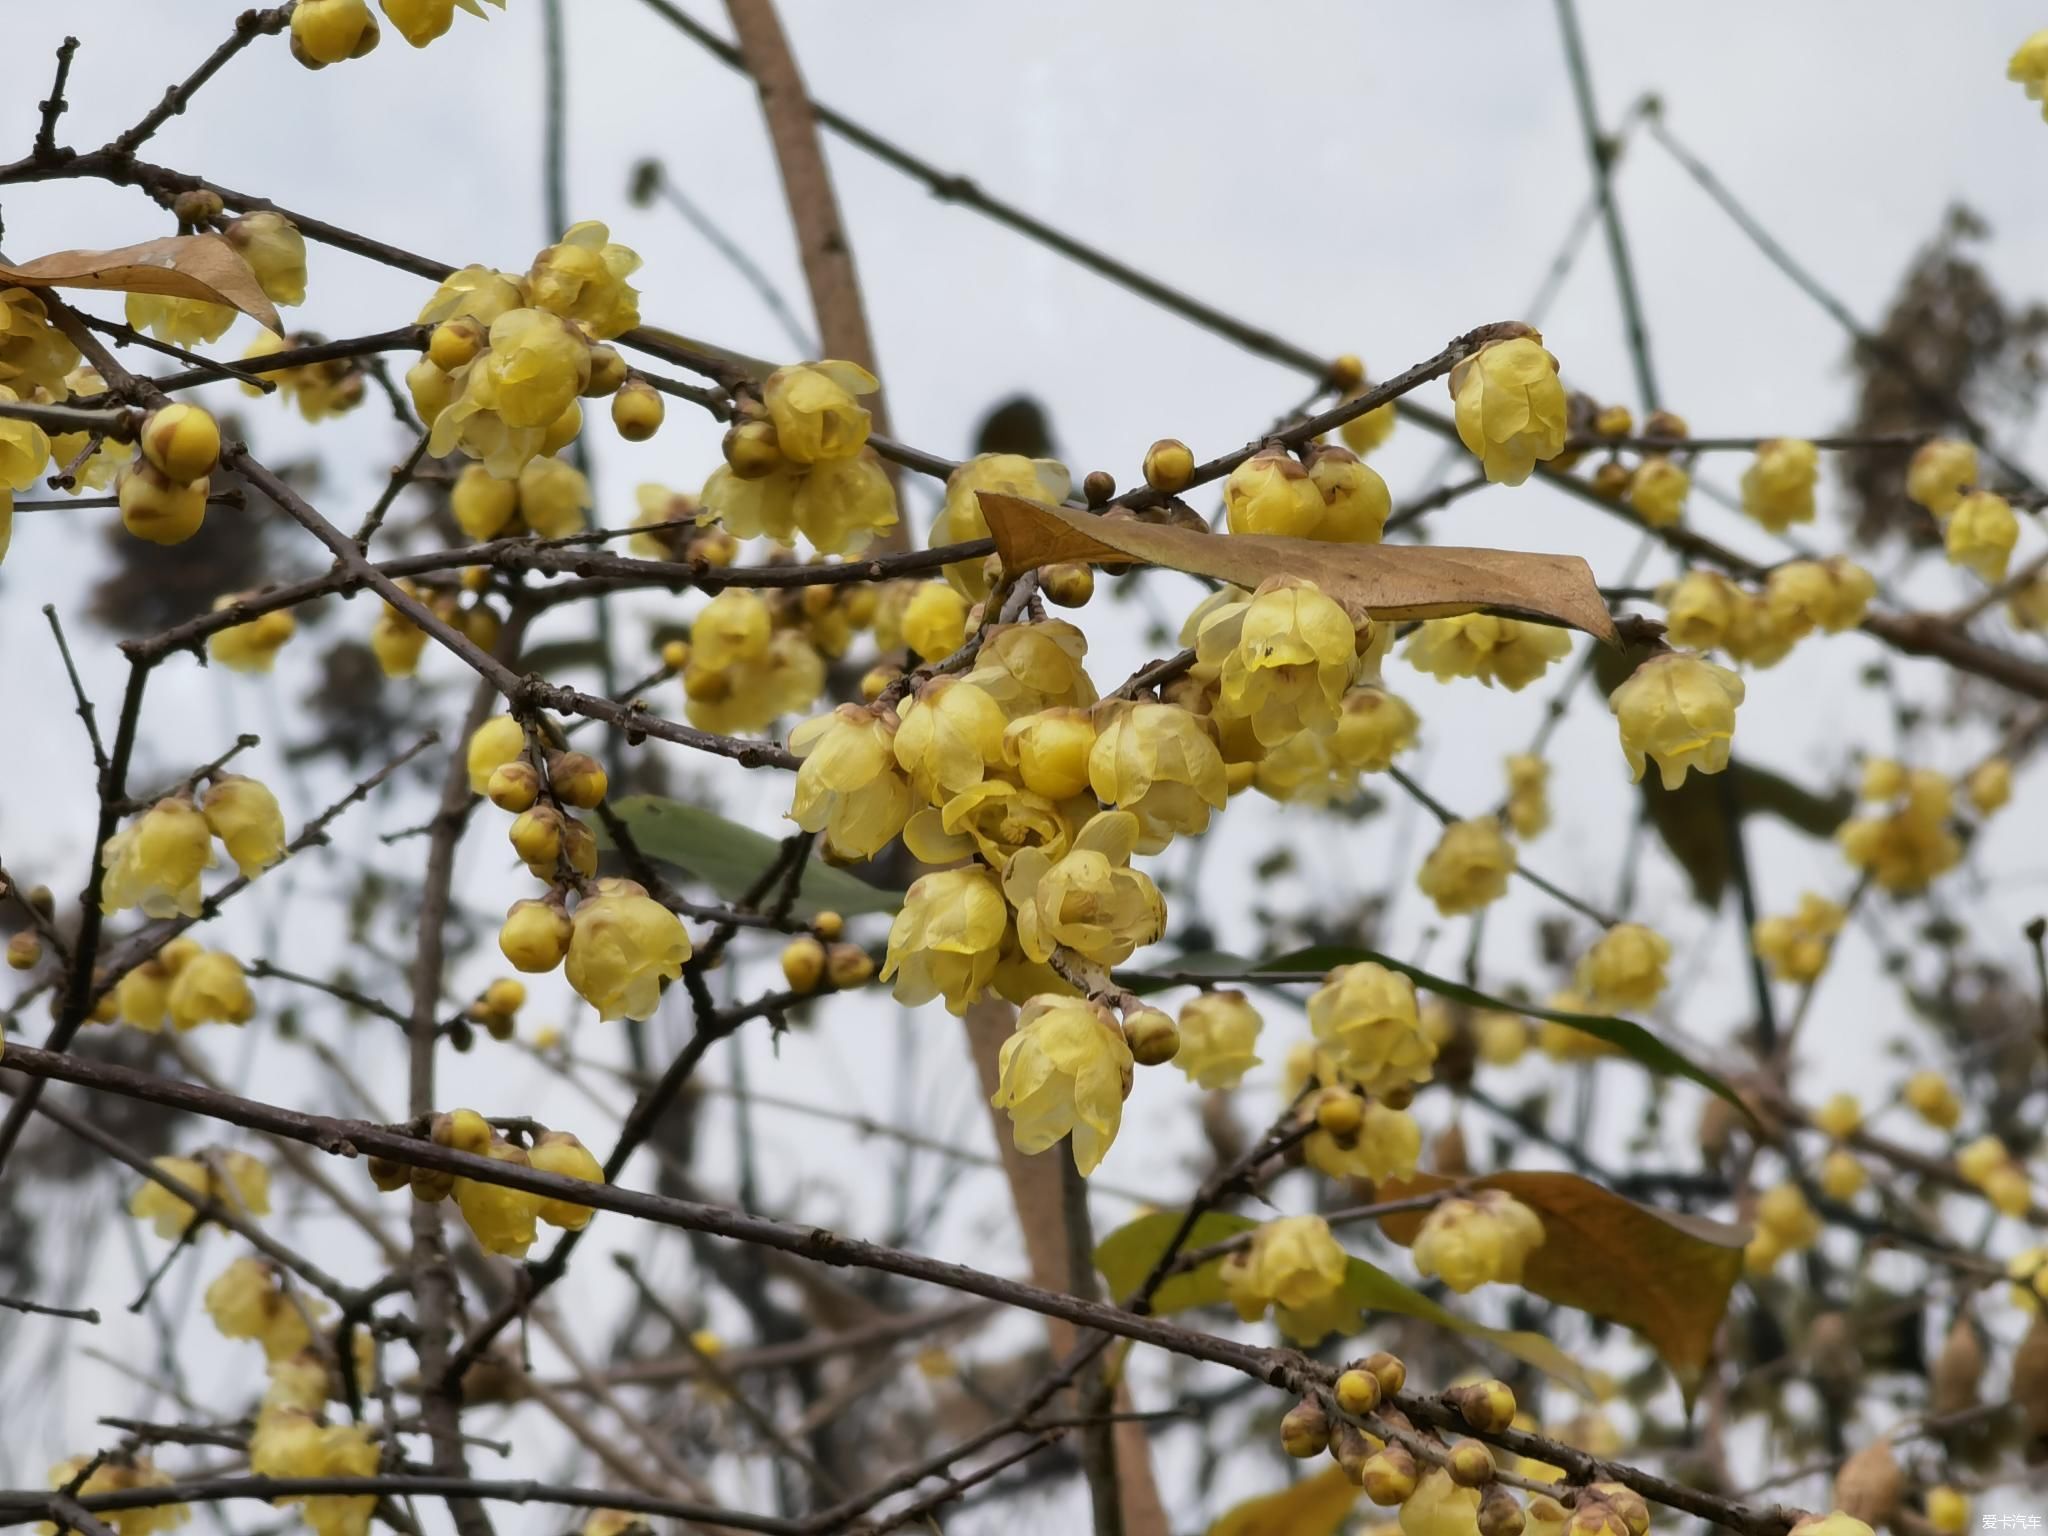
x=1509, y=651
x=961, y=519
x=1169, y=465
x=1680, y=711
x=1271, y=493
x=553, y=496
x=1841, y=1175
x=1356, y=504
x=1510, y=407
x=513, y=786
x=235, y=1179
x=275, y=251
x=560, y=1153
x=1941, y=473
x=583, y=278
x=1980, y=534
x=578, y=779
x=803, y=963
x=210, y=988
x=1948, y=1510
x=454, y=343
x=182, y=441
x=157, y=508
x=1989, y=785
x=1365, y=1017
x=1152, y=1035
x=498, y=741
x=848, y=965
x=935, y=621
x=815, y=410
x=1796, y=946
x=502, y=1220
x=1389, y=1477
x=1783, y=1213
x=1625, y=968
x=250, y=647
x=535, y=935
x=328, y=31
x=1305, y=1430
x=1777, y=488
x=1067, y=585
x=481, y=503
x=1364, y=434
x=637, y=410
x=624, y=945
x=244, y=815
x=1469, y=867
x=1657, y=490
x=1219, y=1033
x=608, y=372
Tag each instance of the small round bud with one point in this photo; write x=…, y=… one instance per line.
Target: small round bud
x=607, y=372
x=1488, y=1406
x=1388, y=1476
x=1613, y=421
x=876, y=680
x=1358, y=1391
x=579, y=847
x=675, y=655
x=803, y=963
x=1392, y=1373
x=1470, y=1464
x=462, y=1130
x=1347, y=372
x=455, y=342
x=1626, y=1503
x=1305, y=1431
x=42, y=899
x=1169, y=465
x=1067, y=585
x=505, y=995
x=536, y=836
x=24, y=949
x=1665, y=424
x=828, y=925
x=1098, y=486
x=707, y=686
x=181, y=440
x=750, y=448
x=715, y=546
x=514, y=786
x=1340, y=1112
x=637, y=410
x=1152, y=1035
x=200, y=205
x=848, y=965
x=156, y=507
x=431, y=1184
x=578, y=778
x=1611, y=480
x=1500, y=1513
x=561, y=432
x=387, y=1175
x=475, y=578
x=1351, y=1448
x=535, y=936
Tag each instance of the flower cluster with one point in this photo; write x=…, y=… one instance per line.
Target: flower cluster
x=1470, y=1242
x=155, y=861
x=237, y=1181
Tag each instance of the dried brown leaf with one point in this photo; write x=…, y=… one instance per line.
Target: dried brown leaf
x=1665, y=1274
x=175, y=267
x=1388, y=581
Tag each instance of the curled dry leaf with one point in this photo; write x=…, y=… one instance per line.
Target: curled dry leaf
x=1388, y=581
x=1869, y=1484
x=1662, y=1273
x=175, y=267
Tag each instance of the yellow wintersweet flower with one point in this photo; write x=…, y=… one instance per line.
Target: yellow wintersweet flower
x=960, y=519
x=734, y=626
x=1840, y=1117
x=1842, y=1175
x=1528, y=807
x=1657, y=490
x=182, y=322
x=1904, y=850
x=950, y=736
x=1680, y=711
x=1271, y=493
x=1282, y=660
x=119, y=1474
x=24, y=448
x=935, y=620
x=947, y=938
x=328, y=31
x=1699, y=609
x=1356, y=503
x=1441, y=1507
x=498, y=741
x=291, y=1443
x=1089, y=900
x=1625, y=967
x=1064, y=1071
x=501, y=1219
x=1757, y=635
x=1364, y=434
x=1219, y=1032
x=1980, y=534
x=1050, y=751
x=840, y=504
x=1510, y=407
x=849, y=787
x=1373, y=728
x=559, y=1152
x=250, y=647
x=1386, y=1145
x=751, y=694
x=1777, y=488
x=553, y=496
x=1500, y=1038
x=1469, y=866
x=1297, y=1267
x=236, y=1180
x=1160, y=763
x=1510, y=651
x=995, y=819
x=1989, y=785
x=332, y=388
x=247, y=1301
x=396, y=641
x=275, y=251
x=1796, y=947
x=583, y=278
x=816, y=412
x=1948, y=1508
x=476, y=292
x=1029, y=667
x=34, y=354
x=506, y=398
x=154, y=861
x=1941, y=473
x=244, y=815
x=1783, y=1213
x=623, y=944
x=1829, y=594
x=1364, y=1017
x=1479, y=1240
x=2029, y=68
x=210, y=988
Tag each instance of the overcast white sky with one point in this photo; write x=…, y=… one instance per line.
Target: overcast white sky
x=1373, y=177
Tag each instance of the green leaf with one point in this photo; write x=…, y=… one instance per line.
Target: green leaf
x=1127, y=1255
x=730, y=858
x=1308, y=965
